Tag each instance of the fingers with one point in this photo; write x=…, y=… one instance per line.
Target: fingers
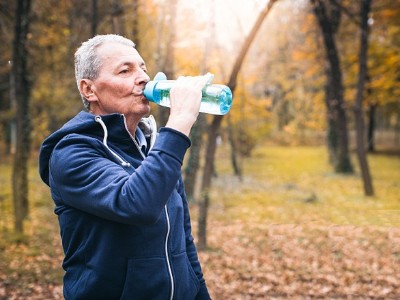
x=197, y=82
x=185, y=101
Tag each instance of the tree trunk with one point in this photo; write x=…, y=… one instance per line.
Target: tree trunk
x=214, y=129
x=117, y=11
x=22, y=119
x=167, y=66
x=206, y=181
x=196, y=135
x=234, y=153
x=365, y=6
x=371, y=127
x=94, y=20
x=135, y=24
x=337, y=122
x=193, y=164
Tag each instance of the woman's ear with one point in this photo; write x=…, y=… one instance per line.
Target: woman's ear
x=85, y=87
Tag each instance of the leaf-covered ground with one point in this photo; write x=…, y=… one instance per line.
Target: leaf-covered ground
x=290, y=229
x=286, y=261
x=250, y=261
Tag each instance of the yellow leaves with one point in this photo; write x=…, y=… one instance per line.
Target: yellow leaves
x=393, y=60
x=298, y=55
x=380, y=82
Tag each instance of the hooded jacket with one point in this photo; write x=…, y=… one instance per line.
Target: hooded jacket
x=123, y=215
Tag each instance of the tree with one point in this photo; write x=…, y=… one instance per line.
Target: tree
x=94, y=18
x=20, y=94
x=167, y=64
x=6, y=36
x=383, y=81
x=53, y=41
x=338, y=144
x=117, y=11
x=135, y=23
x=196, y=134
x=214, y=129
x=365, y=7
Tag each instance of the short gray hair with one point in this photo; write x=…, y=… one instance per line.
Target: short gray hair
x=88, y=63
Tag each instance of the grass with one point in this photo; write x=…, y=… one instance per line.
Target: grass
x=293, y=229
x=290, y=228
x=296, y=185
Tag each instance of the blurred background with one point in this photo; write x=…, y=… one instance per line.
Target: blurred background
x=294, y=194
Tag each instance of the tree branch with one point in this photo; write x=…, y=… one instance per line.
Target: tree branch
x=351, y=16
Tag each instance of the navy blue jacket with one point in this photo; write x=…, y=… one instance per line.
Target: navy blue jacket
x=123, y=215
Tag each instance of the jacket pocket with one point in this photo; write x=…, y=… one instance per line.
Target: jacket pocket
x=147, y=278
x=73, y=280
x=187, y=284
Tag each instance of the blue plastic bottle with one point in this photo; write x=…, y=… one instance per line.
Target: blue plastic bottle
x=216, y=99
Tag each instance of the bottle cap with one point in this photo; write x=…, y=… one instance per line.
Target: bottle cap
x=149, y=88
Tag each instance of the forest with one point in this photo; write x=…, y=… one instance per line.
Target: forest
x=294, y=194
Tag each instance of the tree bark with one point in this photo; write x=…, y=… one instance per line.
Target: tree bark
x=21, y=95
x=365, y=6
x=338, y=144
x=193, y=164
x=214, y=129
x=371, y=127
x=234, y=153
x=117, y=11
x=135, y=24
x=196, y=135
x=167, y=66
x=94, y=21
x=206, y=181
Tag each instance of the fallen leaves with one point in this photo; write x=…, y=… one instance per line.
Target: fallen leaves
x=285, y=261
x=249, y=261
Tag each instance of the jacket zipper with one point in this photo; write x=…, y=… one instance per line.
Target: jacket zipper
x=167, y=218
x=166, y=253
x=133, y=139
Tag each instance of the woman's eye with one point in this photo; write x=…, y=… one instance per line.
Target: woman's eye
x=124, y=71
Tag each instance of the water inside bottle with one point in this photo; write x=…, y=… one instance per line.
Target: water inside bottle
x=216, y=99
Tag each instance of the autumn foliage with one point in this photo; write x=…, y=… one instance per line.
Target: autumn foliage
x=288, y=227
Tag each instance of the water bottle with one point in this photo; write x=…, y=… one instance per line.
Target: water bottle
x=216, y=99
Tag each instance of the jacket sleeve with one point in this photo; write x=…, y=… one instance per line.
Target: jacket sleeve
x=82, y=176
x=191, y=248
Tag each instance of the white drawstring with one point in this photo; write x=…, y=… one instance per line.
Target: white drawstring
x=123, y=162
x=153, y=128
